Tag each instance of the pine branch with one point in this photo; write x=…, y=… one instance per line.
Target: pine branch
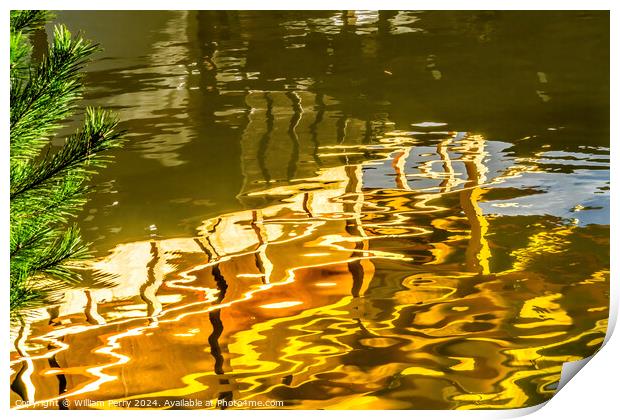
x=49, y=188
x=39, y=104
x=55, y=256
x=59, y=259
x=53, y=264
x=20, y=55
x=23, y=295
x=33, y=217
x=29, y=20
x=23, y=22
x=80, y=152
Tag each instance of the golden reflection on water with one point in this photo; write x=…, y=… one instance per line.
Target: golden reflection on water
x=337, y=296
x=364, y=266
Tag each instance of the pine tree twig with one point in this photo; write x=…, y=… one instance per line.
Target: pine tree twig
x=82, y=150
x=48, y=96
x=29, y=20
x=49, y=186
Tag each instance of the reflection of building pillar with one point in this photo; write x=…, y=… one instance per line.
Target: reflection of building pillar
x=478, y=253
x=148, y=291
x=62, y=379
x=206, y=48
x=353, y=208
x=320, y=110
x=215, y=318
x=341, y=128
x=52, y=361
x=449, y=181
x=264, y=264
x=306, y=204
x=90, y=311
x=263, y=144
x=297, y=112
x=398, y=164
x=217, y=325
x=22, y=384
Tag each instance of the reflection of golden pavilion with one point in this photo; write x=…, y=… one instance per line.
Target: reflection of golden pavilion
x=271, y=298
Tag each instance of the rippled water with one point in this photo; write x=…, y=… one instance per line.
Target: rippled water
x=337, y=210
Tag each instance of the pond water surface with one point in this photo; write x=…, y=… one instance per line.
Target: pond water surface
x=336, y=210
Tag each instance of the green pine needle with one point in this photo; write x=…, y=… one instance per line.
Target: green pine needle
x=29, y=20
x=49, y=185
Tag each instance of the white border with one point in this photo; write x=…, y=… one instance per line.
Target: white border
x=593, y=394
